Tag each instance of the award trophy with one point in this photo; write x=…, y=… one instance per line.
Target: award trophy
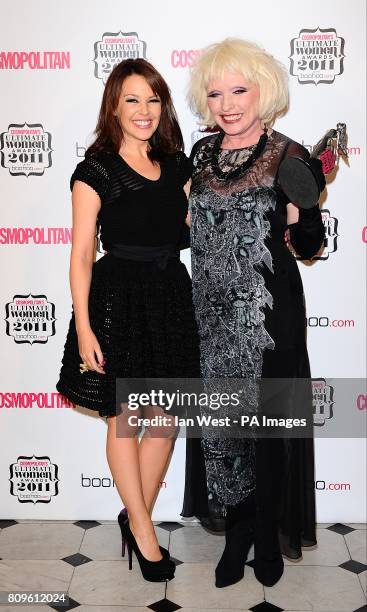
x=303, y=180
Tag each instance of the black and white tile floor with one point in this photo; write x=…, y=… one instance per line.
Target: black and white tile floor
x=84, y=559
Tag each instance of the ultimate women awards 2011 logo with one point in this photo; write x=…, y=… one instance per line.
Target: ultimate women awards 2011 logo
x=331, y=235
x=113, y=48
x=26, y=149
x=317, y=56
x=34, y=479
x=322, y=400
x=30, y=319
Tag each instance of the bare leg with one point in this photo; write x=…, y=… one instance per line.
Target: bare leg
x=154, y=455
x=123, y=460
x=155, y=449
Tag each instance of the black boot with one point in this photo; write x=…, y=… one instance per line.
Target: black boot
x=240, y=525
x=270, y=461
x=269, y=571
x=268, y=564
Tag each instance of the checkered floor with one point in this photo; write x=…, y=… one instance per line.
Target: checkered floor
x=84, y=559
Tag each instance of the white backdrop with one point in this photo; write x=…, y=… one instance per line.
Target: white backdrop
x=54, y=59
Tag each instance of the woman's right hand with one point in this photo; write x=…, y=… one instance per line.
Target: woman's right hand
x=89, y=349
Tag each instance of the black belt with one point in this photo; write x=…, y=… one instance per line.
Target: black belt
x=158, y=254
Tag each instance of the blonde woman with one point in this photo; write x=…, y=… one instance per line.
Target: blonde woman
x=250, y=310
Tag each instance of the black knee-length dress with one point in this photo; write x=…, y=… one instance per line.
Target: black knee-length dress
x=140, y=304
x=250, y=310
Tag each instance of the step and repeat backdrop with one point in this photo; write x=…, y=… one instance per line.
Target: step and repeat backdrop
x=54, y=61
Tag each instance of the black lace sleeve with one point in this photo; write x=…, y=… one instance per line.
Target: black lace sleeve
x=294, y=149
x=307, y=235
x=197, y=146
x=92, y=172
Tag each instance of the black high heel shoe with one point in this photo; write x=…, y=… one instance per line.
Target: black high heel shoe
x=122, y=517
x=240, y=530
x=153, y=571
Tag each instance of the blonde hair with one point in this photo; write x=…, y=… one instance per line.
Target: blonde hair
x=254, y=63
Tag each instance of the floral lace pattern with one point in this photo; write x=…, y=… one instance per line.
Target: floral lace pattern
x=229, y=227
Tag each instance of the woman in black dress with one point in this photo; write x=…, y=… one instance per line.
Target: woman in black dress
x=249, y=304
x=132, y=311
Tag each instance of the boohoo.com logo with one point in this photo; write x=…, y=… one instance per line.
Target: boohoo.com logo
x=113, y=48
x=34, y=480
x=317, y=56
x=25, y=149
x=30, y=319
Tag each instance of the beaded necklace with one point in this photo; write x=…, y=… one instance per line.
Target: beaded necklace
x=230, y=174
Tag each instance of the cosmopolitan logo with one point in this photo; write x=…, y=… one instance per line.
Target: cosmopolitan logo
x=113, y=48
x=35, y=60
x=34, y=479
x=35, y=235
x=30, y=319
x=317, y=56
x=11, y=399
x=322, y=400
x=25, y=149
x=183, y=58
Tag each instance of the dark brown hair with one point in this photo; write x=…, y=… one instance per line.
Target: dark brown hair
x=166, y=139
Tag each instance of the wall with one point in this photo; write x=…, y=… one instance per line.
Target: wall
x=52, y=73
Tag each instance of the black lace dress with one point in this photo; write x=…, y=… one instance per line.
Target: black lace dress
x=140, y=311
x=250, y=310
